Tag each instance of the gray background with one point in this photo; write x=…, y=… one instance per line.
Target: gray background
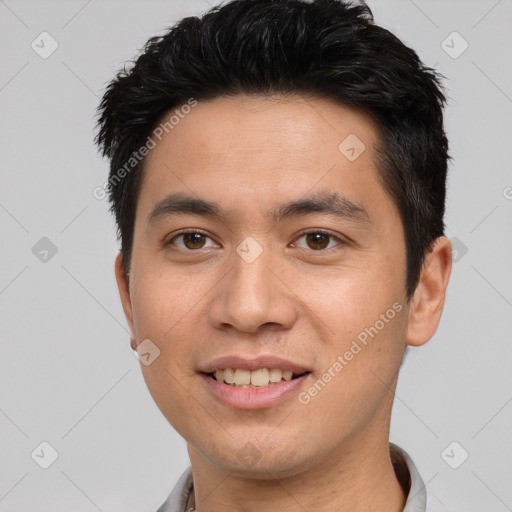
x=68, y=375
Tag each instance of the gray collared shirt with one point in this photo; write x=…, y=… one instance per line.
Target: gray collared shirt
x=405, y=469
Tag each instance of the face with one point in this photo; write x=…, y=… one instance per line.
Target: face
x=298, y=255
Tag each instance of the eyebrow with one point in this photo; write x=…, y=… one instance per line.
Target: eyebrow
x=324, y=203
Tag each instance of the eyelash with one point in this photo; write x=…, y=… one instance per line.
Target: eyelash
x=304, y=233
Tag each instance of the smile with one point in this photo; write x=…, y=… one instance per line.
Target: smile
x=263, y=390
x=240, y=377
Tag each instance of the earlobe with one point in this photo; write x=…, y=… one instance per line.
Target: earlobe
x=124, y=294
x=428, y=300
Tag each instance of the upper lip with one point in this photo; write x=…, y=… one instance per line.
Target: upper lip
x=252, y=363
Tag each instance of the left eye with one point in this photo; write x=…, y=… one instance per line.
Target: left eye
x=318, y=240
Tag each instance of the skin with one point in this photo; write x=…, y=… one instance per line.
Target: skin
x=305, y=304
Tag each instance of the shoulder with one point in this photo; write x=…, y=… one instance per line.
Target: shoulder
x=434, y=504
x=177, y=500
x=418, y=499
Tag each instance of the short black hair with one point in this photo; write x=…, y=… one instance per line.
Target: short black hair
x=322, y=48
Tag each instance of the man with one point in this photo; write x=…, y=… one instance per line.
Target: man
x=278, y=178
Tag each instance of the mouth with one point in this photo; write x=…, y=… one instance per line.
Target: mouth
x=248, y=382
x=260, y=378
x=258, y=389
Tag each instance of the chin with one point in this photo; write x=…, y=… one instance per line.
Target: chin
x=264, y=471
x=260, y=462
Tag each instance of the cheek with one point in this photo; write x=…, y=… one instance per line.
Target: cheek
x=161, y=313
x=161, y=301
x=349, y=300
x=363, y=312
x=364, y=343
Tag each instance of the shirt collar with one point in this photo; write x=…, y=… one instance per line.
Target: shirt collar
x=409, y=478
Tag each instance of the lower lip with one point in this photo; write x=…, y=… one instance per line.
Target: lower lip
x=254, y=398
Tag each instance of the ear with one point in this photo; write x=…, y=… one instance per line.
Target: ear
x=428, y=300
x=124, y=293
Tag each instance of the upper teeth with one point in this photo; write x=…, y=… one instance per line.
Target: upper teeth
x=260, y=377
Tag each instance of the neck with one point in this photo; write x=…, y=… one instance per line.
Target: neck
x=357, y=477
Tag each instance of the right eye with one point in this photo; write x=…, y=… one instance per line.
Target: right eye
x=190, y=240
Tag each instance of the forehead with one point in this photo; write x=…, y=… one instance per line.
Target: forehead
x=247, y=146
x=253, y=122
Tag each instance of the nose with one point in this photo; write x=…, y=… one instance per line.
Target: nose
x=253, y=295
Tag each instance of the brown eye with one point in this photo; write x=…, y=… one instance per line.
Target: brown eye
x=191, y=240
x=317, y=241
